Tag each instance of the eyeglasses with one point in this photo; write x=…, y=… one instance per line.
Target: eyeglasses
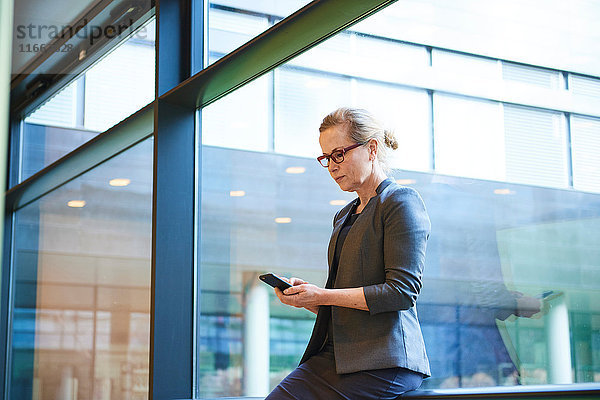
x=337, y=155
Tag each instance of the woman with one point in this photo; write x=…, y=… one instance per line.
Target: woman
x=367, y=342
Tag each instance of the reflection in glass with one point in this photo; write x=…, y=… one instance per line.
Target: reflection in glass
x=231, y=123
x=511, y=277
x=585, y=142
x=498, y=29
x=493, y=250
x=462, y=146
x=111, y=90
x=232, y=23
x=81, y=320
x=464, y=114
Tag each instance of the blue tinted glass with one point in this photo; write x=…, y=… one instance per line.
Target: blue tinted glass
x=81, y=316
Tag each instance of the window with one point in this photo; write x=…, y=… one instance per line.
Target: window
x=232, y=123
x=585, y=145
x=520, y=31
x=473, y=70
x=532, y=76
x=81, y=318
x=468, y=136
x=302, y=99
x=536, y=149
x=506, y=226
x=494, y=108
x=254, y=218
x=232, y=23
x=114, y=88
x=122, y=82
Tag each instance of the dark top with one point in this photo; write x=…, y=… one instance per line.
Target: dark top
x=334, y=267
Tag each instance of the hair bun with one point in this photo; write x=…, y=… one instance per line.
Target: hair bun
x=390, y=139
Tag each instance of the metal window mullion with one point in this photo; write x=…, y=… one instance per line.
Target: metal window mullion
x=173, y=198
x=569, y=149
x=6, y=306
x=431, y=129
x=172, y=281
x=6, y=291
x=80, y=102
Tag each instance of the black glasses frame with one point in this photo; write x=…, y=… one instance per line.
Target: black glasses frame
x=337, y=155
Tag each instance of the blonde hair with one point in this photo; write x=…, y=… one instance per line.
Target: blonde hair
x=362, y=127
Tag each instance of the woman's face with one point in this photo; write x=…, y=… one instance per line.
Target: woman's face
x=351, y=173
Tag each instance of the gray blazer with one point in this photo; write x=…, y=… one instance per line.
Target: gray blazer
x=384, y=252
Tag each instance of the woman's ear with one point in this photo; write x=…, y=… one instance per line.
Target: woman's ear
x=372, y=149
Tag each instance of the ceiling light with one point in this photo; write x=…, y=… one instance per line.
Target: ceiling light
x=295, y=170
x=283, y=220
x=119, y=182
x=406, y=181
x=76, y=203
x=237, y=193
x=503, y=191
x=337, y=202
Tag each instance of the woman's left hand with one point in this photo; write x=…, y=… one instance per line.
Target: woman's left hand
x=302, y=296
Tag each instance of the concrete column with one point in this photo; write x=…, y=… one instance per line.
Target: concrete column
x=558, y=341
x=256, y=338
x=68, y=385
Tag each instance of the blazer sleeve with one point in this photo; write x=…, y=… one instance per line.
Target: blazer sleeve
x=406, y=229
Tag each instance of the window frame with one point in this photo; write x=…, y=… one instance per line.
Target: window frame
x=182, y=87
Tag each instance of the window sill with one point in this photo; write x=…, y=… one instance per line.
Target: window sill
x=572, y=391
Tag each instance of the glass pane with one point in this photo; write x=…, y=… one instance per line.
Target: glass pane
x=408, y=113
x=112, y=89
x=491, y=245
x=547, y=33
x=488, y=140
x=229, y=30
x=60, y=110
x=231, y=123
x=469, y=137
x=536, y=146
x=585, y=142
x=496, y=248
x=122, y=82
x=38, y=25
x=81, y=317
x=478, y=69
x=300, y=99
x=231, y=23
x=511, y=275
x=255, y=220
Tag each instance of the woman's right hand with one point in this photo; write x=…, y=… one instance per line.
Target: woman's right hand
x=294, y=282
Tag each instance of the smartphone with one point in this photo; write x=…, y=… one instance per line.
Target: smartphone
x=275, y=281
